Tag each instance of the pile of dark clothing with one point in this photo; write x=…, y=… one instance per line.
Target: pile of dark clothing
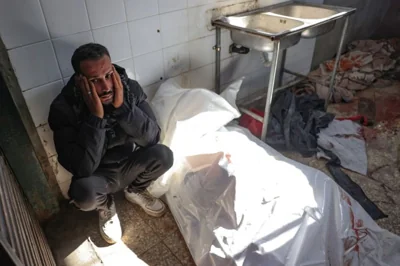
x=296, y=121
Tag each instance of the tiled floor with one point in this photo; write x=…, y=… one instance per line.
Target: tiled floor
x=75, y=240
x=74, y=236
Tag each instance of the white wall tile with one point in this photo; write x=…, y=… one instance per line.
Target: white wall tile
x=137, y=9
x=176, y=60
x=200, y=17
x=198, y=21
x=65, y=47
x=299, y=57
x=271, y=2
x=22, y=25
x=62, y=175
x=171, y=5
x=174, y=28
x=201, y=52
x=46, y=135
x=65, y=17
x=39, y=99
x=145, y=35
x=129, y=68
x=193, y=3
x=203, y=77
x=35, y=64
x=116, y=39
x=105, y=12
x=149, y=68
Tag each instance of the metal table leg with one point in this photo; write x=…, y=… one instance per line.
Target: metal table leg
x=271, y=87
x=281, y=67
x=339, y=53
x=217, y=49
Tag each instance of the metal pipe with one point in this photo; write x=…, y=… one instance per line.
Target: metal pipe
x=271, y=87
x=338, y=54
x=24, y=230
x=10, y=252
x=28, y=243
x=281, y=63
x=217, y=49
x=250, y=113
x=9, y=217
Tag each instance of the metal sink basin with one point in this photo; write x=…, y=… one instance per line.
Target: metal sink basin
x=287, y=22
x=310, y=14
x=264, y=24
x=304, y=11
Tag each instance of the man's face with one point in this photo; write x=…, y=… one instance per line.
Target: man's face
x=99, y=73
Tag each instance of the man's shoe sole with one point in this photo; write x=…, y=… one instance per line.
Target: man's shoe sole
x=106, y=238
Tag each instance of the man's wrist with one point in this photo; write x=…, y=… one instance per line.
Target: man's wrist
x=95, y=121
x=123, y=109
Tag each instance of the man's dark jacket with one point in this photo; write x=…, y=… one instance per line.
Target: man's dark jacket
x=84, y=142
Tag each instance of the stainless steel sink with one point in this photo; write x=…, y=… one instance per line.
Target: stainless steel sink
x=310, y=14
x=287, y=22
x=303, y=11
x=264, y=24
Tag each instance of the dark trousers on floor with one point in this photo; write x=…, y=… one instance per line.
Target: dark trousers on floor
x=137, y=172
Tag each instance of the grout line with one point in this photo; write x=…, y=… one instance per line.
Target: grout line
x=130, y=41
x=54, y=81
x=90, y=25
x=87, y=13
x=28, y=44
x=173, y=254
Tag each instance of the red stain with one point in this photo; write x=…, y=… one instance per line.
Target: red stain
x=347, y=109
x=388, y=108
x=369, y=134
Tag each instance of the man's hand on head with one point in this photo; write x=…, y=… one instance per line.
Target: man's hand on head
x=118, y=89
x=90, y=96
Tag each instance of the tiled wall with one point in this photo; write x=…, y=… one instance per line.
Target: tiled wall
x=153, y=39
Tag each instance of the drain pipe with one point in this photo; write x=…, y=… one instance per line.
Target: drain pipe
x=217, y=49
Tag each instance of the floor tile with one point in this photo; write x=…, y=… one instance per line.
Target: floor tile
x=137, y=235
x=160, y=255
x=176, y=243
x=162, y=226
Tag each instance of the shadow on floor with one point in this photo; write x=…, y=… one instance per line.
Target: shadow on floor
x=75, y=239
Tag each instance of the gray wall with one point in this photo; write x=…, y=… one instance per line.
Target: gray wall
x=389, y=27
x=363, y=25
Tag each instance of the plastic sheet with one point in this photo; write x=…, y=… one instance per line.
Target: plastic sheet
x=237, y=201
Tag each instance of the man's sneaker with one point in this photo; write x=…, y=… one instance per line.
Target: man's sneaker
x=110, y=227
x=151, y=205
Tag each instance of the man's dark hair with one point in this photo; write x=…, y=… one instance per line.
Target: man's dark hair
x=87, y=51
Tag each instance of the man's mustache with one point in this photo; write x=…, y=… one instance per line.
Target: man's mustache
x=106, y=93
